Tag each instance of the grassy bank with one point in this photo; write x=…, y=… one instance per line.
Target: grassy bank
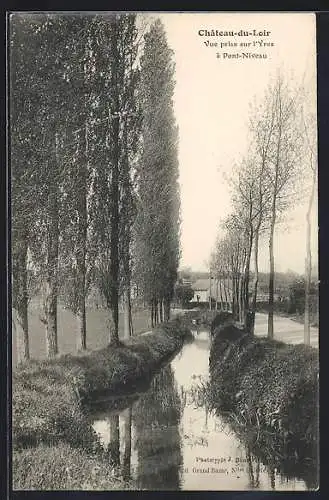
x=62, y=467
x=50, y=425
x=266, y=384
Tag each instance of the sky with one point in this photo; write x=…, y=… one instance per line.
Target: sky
x=211, y=103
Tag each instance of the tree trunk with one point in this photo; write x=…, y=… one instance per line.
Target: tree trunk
x=270, y=330
x=161, y=311
x=247, y=279
x=217, y=294
x=220, y=293
x=51, y=278
x=81, y=309
x=255, y=284
x=210, y=292
x=232, y=293
x=22, y=333
x=82, y=327
x=126, y=222
x=242, y=300
x=127, y=315
x=235, y=298
x=237, y=294
x=115, y=259
x=115, y=150
x=156, y=312
x=226, y=296
x=307, y=329
x=50, y=309
x=152, y=314
x=20, y=300
x=166, y=309
x=81, y=253
x=239, y=282
x=131, y=318
x=229, y=294
x=308, y=268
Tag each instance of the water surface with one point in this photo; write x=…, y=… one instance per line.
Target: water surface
x=167, y=439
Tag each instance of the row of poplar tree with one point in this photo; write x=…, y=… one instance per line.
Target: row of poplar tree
x=278, y=172
x=94, y=169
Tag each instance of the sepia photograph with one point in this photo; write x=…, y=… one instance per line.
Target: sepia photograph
x=164, y=251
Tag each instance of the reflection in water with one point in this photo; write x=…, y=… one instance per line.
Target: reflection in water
x=114, y=444
x=115, y=433
x=253, y=470
x=169, y=439
x=282, y=459
x=126, y=459
x=156, y=418
x=294, y=460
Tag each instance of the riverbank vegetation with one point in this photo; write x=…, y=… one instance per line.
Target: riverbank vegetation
x=50, y=407
x=62, y=467
x=296, y=460
x=267, y=385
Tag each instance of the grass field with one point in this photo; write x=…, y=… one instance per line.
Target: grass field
x=97, y=330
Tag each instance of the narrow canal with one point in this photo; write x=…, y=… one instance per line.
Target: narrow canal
x=167, y=439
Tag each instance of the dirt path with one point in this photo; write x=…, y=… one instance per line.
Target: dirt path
x=285, y=329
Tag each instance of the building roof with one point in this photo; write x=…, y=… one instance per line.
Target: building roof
x=200, y=284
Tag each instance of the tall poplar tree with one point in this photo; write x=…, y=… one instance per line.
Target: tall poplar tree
x=158, y=220
x=112, y=199
x=76, y=245
x=37, y=108
x=52, y=109
x=22, y=162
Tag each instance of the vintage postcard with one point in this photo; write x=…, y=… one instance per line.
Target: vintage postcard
x=164, y=251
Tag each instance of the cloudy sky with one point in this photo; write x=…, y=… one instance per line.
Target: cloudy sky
x=211, y=101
